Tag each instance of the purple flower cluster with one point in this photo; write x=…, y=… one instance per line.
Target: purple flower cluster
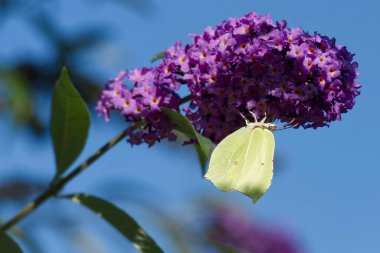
x=231, y=228
x=243, y=65
x=142, y=101
x=253, y=64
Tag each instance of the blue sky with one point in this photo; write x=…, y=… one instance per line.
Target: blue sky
x=327, y=189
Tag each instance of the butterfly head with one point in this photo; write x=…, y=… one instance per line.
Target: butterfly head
x=271, y=127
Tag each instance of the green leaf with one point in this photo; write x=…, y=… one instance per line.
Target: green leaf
x=158, y=56
x=20, y=101
x=120, y=220
x=182, y=124
x=69, y=123
x=7, y=244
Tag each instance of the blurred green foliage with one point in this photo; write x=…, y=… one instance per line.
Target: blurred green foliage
x=23, y=80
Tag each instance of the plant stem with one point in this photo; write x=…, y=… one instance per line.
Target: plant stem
x=186, y=99
x=55, y=188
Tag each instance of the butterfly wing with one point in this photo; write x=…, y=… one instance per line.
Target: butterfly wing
x=243, y=161
x=227, y=158
x=257, y=172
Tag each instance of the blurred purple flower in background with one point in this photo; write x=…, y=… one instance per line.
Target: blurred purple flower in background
x=230, y=227
x=247, y=64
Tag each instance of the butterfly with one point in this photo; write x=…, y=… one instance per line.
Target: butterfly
x=243, y=161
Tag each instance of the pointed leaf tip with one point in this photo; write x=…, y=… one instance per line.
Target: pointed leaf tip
x=182, y=124
x=7, y=244
x=158, y=56
x=120, y=220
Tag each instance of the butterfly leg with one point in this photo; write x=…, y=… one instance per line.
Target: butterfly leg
x=254, y=116
x=245, y=119
x=264, y=119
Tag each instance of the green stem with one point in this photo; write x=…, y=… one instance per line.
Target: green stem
x=186, y=99
x=55, y=188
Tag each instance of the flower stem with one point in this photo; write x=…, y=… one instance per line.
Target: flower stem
x=186, y=99
x=55, y=188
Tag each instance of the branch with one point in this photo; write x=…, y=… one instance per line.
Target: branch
x=60, y=184
x=186, y=99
